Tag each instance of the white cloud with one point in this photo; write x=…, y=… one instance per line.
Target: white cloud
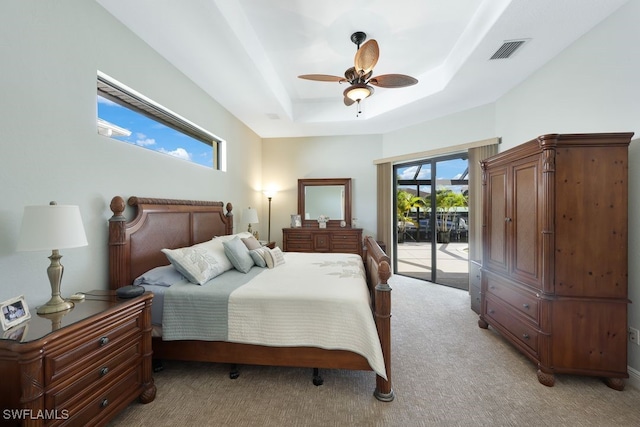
x=145, y=142
x=181, y=153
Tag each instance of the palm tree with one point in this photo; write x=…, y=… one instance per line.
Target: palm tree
x=446, y=203
x=405, y=203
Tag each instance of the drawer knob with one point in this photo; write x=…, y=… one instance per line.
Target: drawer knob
x=104, y=403
x=507, y=219
x=103, y=341
x=491, y=311
x=525, y=336
x=525, y=306
x=104, y=371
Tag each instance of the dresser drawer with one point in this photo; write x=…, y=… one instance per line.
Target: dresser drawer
x=103, y=404
x=91, y=345
x=95, y=375
x=500, y=316
x=298, y=246
x=522, y=301
x=321, y=242
x=297, y=236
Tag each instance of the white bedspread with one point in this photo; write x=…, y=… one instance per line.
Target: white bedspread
x=313, y=299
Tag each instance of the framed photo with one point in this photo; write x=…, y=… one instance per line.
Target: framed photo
x=14, y=312
x=296, y=221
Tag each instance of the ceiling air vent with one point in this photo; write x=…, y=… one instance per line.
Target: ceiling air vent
x=508, y=48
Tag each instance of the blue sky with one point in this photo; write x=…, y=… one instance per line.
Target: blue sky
x=155, y=136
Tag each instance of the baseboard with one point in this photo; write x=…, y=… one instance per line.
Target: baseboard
x=634, y=378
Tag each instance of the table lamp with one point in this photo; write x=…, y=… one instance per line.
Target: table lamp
x=52, y=227
x=251, y=216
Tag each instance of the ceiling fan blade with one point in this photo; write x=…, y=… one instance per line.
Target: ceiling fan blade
x=322, y=78
x=348, y=101
x=392, y=80
x=367, y=57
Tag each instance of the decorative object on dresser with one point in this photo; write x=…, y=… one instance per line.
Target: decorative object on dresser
x=52, y=227
x=13, y=312
x=554, y=272
x=135, y=250
x=296, y=221
x=81, y=366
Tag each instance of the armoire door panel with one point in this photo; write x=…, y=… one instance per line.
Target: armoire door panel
x=526, y=222
x=496, y=250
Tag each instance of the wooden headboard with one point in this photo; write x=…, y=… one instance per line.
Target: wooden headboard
x=135, y=246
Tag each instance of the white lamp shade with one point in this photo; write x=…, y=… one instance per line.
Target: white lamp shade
x=250, y=216
x=51, y=227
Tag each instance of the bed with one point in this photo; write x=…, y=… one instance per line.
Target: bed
x=135, y=247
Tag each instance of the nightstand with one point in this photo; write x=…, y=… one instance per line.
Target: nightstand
x=81, y=366
x=270, y=245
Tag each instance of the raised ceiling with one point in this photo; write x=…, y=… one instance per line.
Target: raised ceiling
x=247, y=54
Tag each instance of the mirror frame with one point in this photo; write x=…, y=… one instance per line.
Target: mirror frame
x=303, y=183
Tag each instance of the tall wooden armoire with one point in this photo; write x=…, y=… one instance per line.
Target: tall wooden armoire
x=554, y=270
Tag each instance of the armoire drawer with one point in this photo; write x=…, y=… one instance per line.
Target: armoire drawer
x=501, y=317
x=522, y=301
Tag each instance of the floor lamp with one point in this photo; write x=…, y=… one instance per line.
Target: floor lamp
x=269, y=194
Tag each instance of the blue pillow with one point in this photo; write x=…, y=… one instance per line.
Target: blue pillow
x=165, y=275
x=238, y=254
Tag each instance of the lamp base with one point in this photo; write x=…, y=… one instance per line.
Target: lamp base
x=54, y=305
x=55, y=270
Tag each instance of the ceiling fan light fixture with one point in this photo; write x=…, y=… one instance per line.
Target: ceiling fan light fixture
x=358, y=92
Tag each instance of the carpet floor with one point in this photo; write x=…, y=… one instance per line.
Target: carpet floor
x=446, y=371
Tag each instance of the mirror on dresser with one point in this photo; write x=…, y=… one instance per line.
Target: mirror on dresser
x=324, y=196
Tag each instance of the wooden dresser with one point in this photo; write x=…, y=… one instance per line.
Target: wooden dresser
x=310, y=239
x=79, y=367
x=554, y=273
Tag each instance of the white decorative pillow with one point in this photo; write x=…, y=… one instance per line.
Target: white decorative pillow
x=238, y=254
x=200, y=263
x=274, y=257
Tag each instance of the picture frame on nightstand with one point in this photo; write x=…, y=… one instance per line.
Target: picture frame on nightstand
x=13, y=312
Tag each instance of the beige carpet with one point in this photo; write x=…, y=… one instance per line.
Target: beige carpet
x=446, y=372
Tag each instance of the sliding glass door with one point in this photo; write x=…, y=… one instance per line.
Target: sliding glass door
x=432, y=217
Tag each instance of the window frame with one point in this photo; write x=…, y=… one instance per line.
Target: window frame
x=113, y=90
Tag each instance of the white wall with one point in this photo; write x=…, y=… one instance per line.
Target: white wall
x=467, y=126
x=285, y=160
x=51, y=52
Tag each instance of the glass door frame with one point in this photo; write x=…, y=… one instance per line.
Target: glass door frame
x=432, y=162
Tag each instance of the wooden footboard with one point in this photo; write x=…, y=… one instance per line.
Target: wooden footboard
x=378, y=269
x=134, y=247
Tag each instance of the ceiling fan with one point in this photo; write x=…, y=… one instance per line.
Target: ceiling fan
x=359, y=76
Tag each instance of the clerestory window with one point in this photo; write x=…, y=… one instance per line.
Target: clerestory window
x=128, y=116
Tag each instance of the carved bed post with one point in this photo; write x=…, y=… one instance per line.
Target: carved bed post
x=229, y=215
x=383, y=391
x=118, y=258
